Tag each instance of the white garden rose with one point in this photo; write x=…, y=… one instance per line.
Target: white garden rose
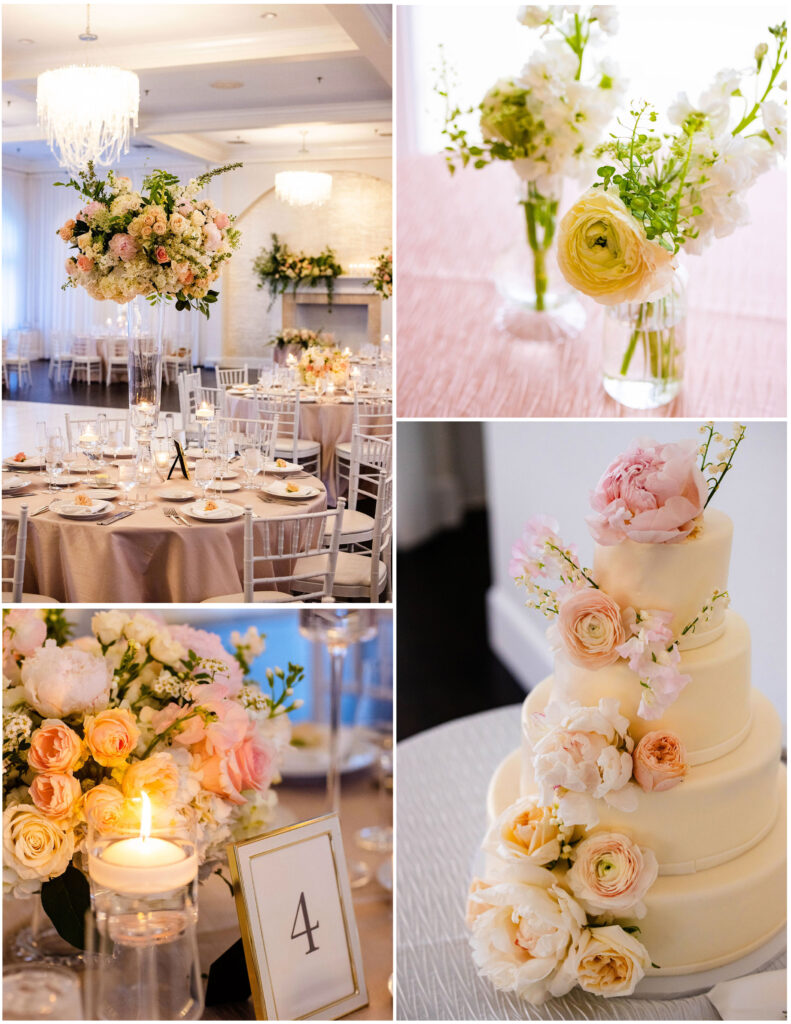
x=108, y=627
x=142, y=629
x=611, y=875
x=608, y=962
x=525, y=831
x=603, y=251
x=62, y=681
x=523, y=936
x=34, y=847
x=167, y=650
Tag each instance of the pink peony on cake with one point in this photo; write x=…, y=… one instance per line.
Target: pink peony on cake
x=639, y=830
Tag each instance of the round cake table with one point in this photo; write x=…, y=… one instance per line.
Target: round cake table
x=440, y=828
x=145, y=557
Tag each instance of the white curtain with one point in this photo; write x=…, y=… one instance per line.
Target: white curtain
x=34, y=258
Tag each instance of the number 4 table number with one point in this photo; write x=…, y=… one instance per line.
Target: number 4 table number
x=309, y=929
x=297, y=922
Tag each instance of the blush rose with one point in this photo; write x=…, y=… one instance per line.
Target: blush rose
x=659, y=761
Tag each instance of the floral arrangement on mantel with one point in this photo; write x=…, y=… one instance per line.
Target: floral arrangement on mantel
x=546, y=121
x=137, y=706
x=325, y=363
x=536, y=932
x=659, y=193
x=303, y=337
x=279, y=269
x=162, y=242
x=382, y=278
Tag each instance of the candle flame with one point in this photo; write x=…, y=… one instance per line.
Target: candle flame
x=145, y=816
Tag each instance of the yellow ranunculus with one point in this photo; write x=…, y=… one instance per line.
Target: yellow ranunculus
x=603, y=252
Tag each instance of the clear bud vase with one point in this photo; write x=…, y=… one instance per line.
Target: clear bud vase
x=644, y=347
x=144, y=327
x=539, y=303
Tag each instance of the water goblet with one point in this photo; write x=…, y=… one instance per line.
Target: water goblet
x=127, y=481
x=204, y=474
x=251, y=459
x=144, y=471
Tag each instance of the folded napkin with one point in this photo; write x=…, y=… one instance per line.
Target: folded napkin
x=756, y=997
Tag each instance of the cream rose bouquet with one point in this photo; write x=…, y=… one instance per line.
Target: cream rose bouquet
x=301, y=336
x=661, y=193
x=162, y=242
x=138, y=706
x=320, y=362
x=546, y=121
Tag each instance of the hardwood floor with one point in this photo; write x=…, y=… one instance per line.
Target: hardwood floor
x=445, y=667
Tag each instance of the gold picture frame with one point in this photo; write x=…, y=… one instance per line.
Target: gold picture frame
x=245, y=861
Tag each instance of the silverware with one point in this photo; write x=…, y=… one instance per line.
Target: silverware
x=44, y=508
x=116, y=517
x=171, y=513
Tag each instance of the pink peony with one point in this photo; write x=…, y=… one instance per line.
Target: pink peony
x=209, y=646
x=55, y=795
x=91, y=210
x=221, y=774
x=161, y=254
x=211, y=237
x=659, y=761
x=652, y=494
x=590, y=627
x=85, y=263
x=54, y=747
x=256, y=760
x=62, y=681
x=222, y=220
x=123, y=246
x=184, y=207
x=24, y=631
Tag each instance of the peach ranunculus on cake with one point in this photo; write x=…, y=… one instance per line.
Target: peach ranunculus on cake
x=643, y=814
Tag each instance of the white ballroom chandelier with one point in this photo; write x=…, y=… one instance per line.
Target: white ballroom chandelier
x=303, y=188
x=88, y=112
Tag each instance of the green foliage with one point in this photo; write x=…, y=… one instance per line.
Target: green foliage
x=281, y=687
x=66, y=900
x=59, y=628
x=279, y=269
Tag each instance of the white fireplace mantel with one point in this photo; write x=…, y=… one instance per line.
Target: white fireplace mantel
x=348, y=291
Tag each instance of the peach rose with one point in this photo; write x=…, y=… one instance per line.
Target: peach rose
x=71, y=267
x=161, y=254
x=111, y=736
x=85, y=263
x=67, y=230
x=256, y=760
x=608, y=961
x=221, y=220
x=54, y=747
x=55, y=795
x=222, y=774
x=34, y=846
x=611, y=875
x=103, y=806
x=659, y=761
x=158, y=775
x=590, y=627
x=474, y=907
x=525, y=832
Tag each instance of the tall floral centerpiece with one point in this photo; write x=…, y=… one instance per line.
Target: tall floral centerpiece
x=662, y=193
x=546, y=122
x=135, y=707
x=325, y=363
x=142, y=249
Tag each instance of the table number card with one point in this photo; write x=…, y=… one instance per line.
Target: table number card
x=297, y=922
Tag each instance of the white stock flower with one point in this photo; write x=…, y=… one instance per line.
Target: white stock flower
x=775, y=117
x=522, y=933
x=533, y=17
x=108, y=627
x=607, y=17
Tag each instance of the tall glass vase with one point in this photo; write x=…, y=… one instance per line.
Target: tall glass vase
x=539, y=304
x=644, y=345
x=144, y=326
x=39, y=942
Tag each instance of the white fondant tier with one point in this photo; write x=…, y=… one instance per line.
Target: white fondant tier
x=735, y=797
x=704, y=920
x=671, y=577
x=712, y=712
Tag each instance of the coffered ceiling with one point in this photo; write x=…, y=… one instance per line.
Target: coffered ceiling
x=215, y=79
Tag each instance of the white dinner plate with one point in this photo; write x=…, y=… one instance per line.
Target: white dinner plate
x=65, y=507
x=346, y=400
x=225, y=485
x=290, y=467
x=229, y=474
x=177, y=493
x=66, y=480
x=277, y=489
x=31, y=462
x=103, y=494
x=14, y=482
x=239, y=392
x=80, y=467
x=121, y=453
x=311, y=762
x=224, y=512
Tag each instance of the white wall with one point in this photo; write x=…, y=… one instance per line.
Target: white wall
x=551, y=467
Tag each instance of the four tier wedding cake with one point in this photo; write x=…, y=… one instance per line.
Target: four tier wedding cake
x=640, y=828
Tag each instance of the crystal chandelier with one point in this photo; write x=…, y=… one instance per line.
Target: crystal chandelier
x=303, y=188
x=88, y=113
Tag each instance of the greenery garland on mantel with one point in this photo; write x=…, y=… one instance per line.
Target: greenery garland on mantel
x=278, y=269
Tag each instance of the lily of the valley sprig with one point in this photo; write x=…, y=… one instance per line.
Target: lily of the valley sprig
x=715, y=468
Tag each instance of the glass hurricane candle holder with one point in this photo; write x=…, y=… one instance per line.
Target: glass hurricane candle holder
x=143, y=959
x=144, y=327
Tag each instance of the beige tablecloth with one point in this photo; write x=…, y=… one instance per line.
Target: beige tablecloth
x=145, y=557
x=328, y=421
x=218, y=926
x=453, y=359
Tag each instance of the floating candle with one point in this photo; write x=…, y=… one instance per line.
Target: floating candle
x=204, y=412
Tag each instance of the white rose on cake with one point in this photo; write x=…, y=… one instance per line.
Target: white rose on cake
x=523, y=935
x=611, y=875
x=527, y=832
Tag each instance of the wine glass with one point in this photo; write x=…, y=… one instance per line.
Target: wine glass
x=251, y=459
x=53, y=458
x=115, y=441
x=41, y=992
x=41, y=439
x=374, y=719
x=127, y=481
x=204, y=474
x=144, y=471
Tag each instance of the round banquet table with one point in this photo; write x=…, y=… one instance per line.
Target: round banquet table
x=145, y=557
x=451, y=231
x=327, y=420
x=218, y=926
x=440, y=829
